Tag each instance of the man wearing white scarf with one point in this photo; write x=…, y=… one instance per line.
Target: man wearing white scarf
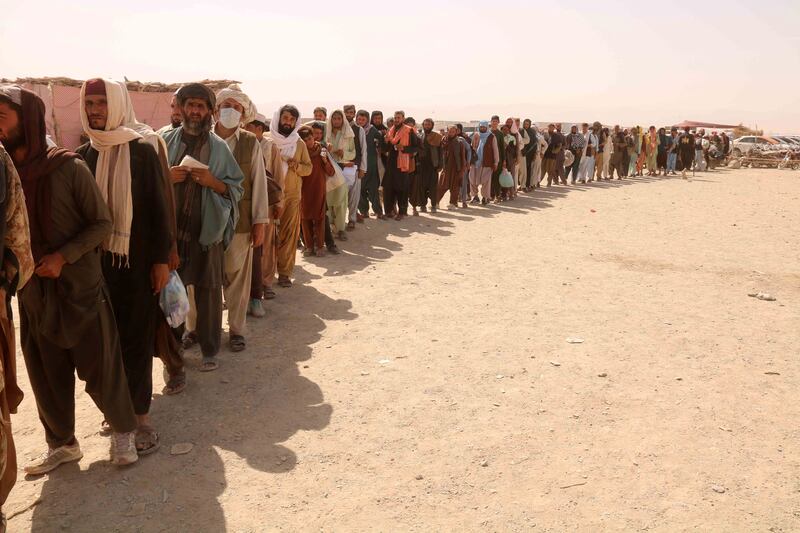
x=129, y=175
x=234, y=108
x=292, y=163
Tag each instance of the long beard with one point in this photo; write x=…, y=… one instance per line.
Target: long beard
x=196, y=127
x=285, y=129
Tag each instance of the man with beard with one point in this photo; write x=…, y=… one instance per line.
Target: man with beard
x=294, y=165
x=16, y=268
x=619, y=162
x=175, y=118
x=484, y=143
x=429, y=165
x=234, y=108
x=555, y=145
x=66, y=319
x=401, y=141
x=499, y=137
x=591, y=142
x=529, y=152
x=371, y=181
x=455, y=163
x=686, y=143
x=136, y=254
x=376, y=119
x=466, y=147
x=354, y=191
x=208, y=187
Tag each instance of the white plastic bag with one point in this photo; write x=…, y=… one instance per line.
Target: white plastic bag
x=174, y=301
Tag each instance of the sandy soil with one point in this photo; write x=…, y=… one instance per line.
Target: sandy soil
x=423, y=380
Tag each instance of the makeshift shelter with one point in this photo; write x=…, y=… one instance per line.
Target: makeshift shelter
x=62, y=100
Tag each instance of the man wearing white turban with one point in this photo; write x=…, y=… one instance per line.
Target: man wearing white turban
x=136, y=255
x=293, y=164
x=233, y=110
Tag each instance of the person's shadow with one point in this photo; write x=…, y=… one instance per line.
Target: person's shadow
x=236, y=418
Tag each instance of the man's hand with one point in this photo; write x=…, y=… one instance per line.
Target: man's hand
x=204, y=177
x=50, y=266
x=174, y=260
x=361, y=174
x=178, y=174
x=291, y=164
x=259, y=230
x=159, y=276
x=277, y=210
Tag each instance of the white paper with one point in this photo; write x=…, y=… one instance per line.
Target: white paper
x=190, y=162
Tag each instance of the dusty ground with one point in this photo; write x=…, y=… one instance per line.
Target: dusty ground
x=423, y=381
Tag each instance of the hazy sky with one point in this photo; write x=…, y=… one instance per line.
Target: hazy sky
x=610, y=60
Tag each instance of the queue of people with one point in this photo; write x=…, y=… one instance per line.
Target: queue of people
x=224, y=197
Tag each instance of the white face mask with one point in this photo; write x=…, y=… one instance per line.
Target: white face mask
x=229, y=117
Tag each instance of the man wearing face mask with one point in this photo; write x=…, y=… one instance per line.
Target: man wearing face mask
x=354, y=192
x=294, y=165
x=208, y=187
x=233, y=109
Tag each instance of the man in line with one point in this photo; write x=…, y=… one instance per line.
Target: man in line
x=66, y=319
x=686, y=150
x=318, y=132
x=136, y=254
x=312, y=201
x=371, y=181
x=208, y=187
x=340, y=142
x=590, y=146
x=401, y=140
x=601, y=159
x=265, y=257
x=484, y=143
x=295, y=164
x=15, y=271
x=496, y=192
x=619, y=162
x=466, y=147
x=320, y=114
x=354, y=191
x=430, y=164
x=672, y=151
x=175, y=117
x=454, y=165
x=529, y=153
x=234, y=108
x=538, y=158
x=555, y=145
x=258, y=289
x=576, y=144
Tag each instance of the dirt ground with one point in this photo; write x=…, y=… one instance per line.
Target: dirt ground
x=423, y=380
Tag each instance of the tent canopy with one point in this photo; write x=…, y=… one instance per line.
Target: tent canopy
x=695, y=124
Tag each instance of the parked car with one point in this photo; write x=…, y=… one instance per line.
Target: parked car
x=744, y=145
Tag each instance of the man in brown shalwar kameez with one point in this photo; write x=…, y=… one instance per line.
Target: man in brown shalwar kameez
x=66, y=319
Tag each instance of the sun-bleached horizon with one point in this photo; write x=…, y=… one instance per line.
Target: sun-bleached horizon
x=617, y=62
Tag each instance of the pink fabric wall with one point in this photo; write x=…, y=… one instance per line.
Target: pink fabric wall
x=64, y=122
